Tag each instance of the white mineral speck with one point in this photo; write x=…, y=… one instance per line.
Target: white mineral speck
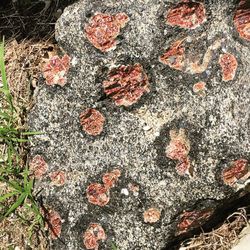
x=125, y=191
x=146, y=128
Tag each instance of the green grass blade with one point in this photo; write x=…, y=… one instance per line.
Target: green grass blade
x=19, y=140
x=5, y=88
x=12, y=184
x=6, y=196
x=18, y=202
x=32, y=133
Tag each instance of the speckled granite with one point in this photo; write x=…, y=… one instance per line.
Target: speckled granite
x=134, y=139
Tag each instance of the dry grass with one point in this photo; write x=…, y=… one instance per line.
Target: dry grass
x=222, y=238
x=23, y=66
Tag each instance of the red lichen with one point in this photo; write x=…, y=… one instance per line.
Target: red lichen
x=126, y=84
x=193, y=219
x=242, y=19
x=199, y=88
x=97, y=194
x=109, y=179
x=174, y=56
x=103, y=29
x=229, y=65
x=53, y=222
x=186, y=14
x=179, y=145
x=184, y=167
x=151, y=215
x=38, y=166
x=178, y=149
x=92, y=235
x=57, y=178
x=92, y=121
x=56, y=69
x=237, y=170
x=134, y=188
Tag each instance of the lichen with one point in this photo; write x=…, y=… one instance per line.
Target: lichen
x=92, y=121
x=99, y=194
x=53, y=223
x=192, y=219
x=56, y=69
x=38, y=166
x=199, y=88
x=57, y=178
x=151, y=215
x=178, y=149
x=126, y=84
x=92, y=235
x=103, y=29
x=174, y=55
x=186, y=14
x=229, y=65
x=242, y=20
x=238, y=170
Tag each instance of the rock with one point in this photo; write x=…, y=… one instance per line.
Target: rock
x=216, y=126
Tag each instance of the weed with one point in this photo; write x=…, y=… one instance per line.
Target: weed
x=14, y=173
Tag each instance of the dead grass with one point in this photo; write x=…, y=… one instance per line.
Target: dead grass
x=23, y=67
x=222, y=238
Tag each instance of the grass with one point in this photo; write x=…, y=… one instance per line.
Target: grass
x=14, y=173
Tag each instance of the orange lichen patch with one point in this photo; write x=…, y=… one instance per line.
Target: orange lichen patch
x=126, y=84
x=242, y=19
x=109, y=179
x=229, y=65
x=56, y=69
x=57, y=178
x=193, y=219
x=38, y=166
x=174, y=56
x=53, y=222
x=97, y=194
x=238, y=170
x=103, y=29
x=92, y=121
x=186, y=14
x=151, y=215
x=178, y=149
x=199, y=88
x=92, y=235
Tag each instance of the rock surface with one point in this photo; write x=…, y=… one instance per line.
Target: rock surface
x=135, y=138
